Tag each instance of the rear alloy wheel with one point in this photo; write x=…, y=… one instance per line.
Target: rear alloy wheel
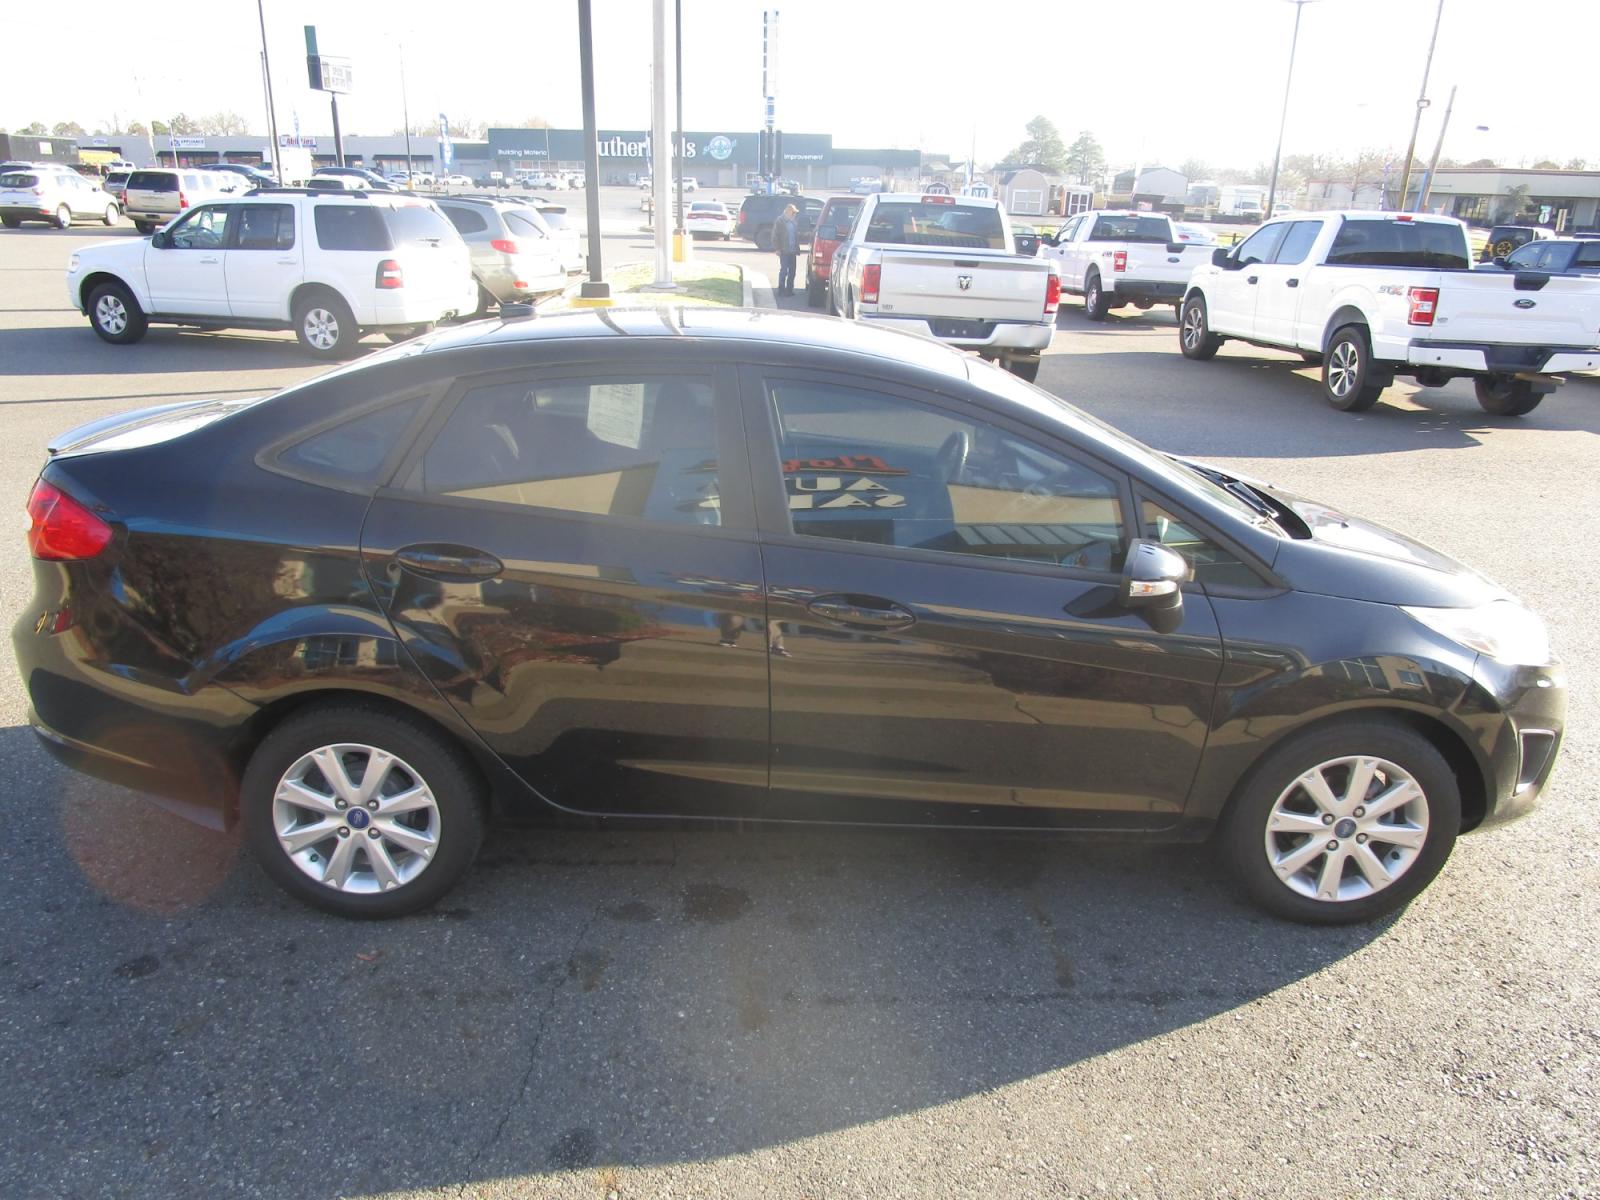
x=1195, y=338
x=324, y=326
x=63, y=217
x=113, y=214
x=1506, y=397
x=116, y=315
x=1345, y=370
x=361, y=813
x=1344, y=824
x=1094, y=299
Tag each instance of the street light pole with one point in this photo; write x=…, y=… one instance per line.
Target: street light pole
x=1427, y=180
x=677, y=145
x=1422, y=103
x=1283, y=119
x=660, y=151
x=405, y=111
x=272, y=112
x=596, y=288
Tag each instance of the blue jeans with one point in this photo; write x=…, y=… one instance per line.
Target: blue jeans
x=786, y=263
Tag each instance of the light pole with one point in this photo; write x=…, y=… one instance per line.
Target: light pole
x=1433, y=165
x=272, y=112
x=1283, y=120
x=1422, y=103
x=405, y=113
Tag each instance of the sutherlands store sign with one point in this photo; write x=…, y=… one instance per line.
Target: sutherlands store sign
x=633, y=146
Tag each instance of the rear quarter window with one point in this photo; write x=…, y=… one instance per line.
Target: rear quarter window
x=353, y=452
x=351, y=227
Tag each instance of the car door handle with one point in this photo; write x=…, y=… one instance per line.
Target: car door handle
x=210, y=260
x=448, y=562
x=1253, y=279
x=861, y=612
x=288, y=262
x=1293, y=283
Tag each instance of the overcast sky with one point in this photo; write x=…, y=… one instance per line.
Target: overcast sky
x=1155, y=80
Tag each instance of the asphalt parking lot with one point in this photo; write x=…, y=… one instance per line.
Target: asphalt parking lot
x=816, y=1013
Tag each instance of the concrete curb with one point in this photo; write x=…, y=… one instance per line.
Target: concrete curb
x=757, y=290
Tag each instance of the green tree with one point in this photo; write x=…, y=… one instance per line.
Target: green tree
x=68, y=129
x=1480, y=164
x=34, y=127
x=1512, y=204
x=184, y=126
x=1086, y=161
x=137, y=128
x=1547, y=164
x=159, y=128
x=1043, y=148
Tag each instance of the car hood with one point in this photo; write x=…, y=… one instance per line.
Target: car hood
x=124, y=253
x=1362, y=560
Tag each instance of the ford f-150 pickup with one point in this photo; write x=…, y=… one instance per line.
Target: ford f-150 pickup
x=1116, y=258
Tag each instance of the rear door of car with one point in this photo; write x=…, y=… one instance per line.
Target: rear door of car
x=569, y=555
x=942, y=615
x=264, y=261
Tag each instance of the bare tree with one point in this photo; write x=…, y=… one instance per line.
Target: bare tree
x=224, y=124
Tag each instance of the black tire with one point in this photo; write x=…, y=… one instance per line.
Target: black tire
x=1347, y=369
x=1025, y=368
x=144, y=227
x=486, y=301
x=815, y=290
x=115, y=315
x=324, y=325
x=1310, y=356
x=1094, y=298
x=1195, y=338
x=727, y=237
x=1506, y=397
x=426, y=756
x=63, y=217
x=112, y=215
x=407, y=332
x=763, y=240
x=1242, y=837
x=11, y=222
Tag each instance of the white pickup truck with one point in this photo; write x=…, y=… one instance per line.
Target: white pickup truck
x=1373, y=295
x=1112, y=258
x=943, y=266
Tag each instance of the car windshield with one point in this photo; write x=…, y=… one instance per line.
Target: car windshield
x=968, y=226
x=1182, y=477
x=18, y=179
x=420, y=223
x=555, y=218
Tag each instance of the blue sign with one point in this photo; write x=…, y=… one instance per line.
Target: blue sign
x=447, y=152
x=720, y=147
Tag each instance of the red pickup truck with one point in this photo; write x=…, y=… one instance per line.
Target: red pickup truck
x=834, y=221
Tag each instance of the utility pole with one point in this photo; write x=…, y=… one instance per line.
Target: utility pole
x=272, y=112
x=1422, y=103
x=660, y=149
x=677, y=142
x=1283, y=119
x=1427, y=180
x=595, y=288
x=405, y=111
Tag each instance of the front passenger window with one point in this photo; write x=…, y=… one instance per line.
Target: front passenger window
x=862, y=466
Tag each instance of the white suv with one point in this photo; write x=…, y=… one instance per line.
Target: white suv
x=55, y=195
x=329, y=265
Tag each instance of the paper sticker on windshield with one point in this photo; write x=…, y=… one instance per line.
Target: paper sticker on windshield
x=616, y=413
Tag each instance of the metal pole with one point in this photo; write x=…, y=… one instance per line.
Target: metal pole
x=677, y=142
x=272, y=112
x=596, y=288
x=1427, y=180
x=1283, y=120
x=660, y=151
x=405, y=112
x=1422, y=103
x=338, y=140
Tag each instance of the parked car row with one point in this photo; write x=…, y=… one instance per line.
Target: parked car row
x=53, y=195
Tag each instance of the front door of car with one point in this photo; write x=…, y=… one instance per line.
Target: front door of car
x=570, y=557
x=943, y=617
x=1231, y=293
x=263, y=261
x=186, y=275
x=1278, y=292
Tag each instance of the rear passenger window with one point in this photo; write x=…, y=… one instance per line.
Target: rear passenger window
x=265, y=226
x=621, y=446
x=350, y=227
x=859, y=466
x=1589, y=254
x=466, y=221
x=354, y=451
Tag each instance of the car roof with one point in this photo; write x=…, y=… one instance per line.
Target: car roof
x=916, y=198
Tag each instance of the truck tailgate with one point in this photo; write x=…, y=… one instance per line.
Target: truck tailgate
x=1147, y=261
x=979, y=287
x=1489, y=306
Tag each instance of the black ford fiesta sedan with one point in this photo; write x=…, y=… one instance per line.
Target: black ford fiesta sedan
x=753, y=566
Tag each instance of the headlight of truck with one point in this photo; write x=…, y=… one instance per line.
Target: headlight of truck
x=1502, y=629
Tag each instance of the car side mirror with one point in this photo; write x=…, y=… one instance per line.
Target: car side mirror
x=1222, y=257
x=161, y=240
x=1153, y=577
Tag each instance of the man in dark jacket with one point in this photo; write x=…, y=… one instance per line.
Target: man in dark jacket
x=786, y=241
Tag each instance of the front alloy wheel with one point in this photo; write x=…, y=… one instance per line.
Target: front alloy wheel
x=1195, y=338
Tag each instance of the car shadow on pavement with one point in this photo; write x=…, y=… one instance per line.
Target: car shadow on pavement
x=75, y=350
x=585, y=998
x=1265, y=404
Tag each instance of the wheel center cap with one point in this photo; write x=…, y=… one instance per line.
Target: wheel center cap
x=359, y=819
x=1345, y=828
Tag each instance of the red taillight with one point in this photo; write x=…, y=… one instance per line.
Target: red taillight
x=60, y=528
x=1119, y=260
x=1423, y=303
x=870, y=278
x=506, y=246
x=1052, y=293
x=390, y=275
x=183, y=201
